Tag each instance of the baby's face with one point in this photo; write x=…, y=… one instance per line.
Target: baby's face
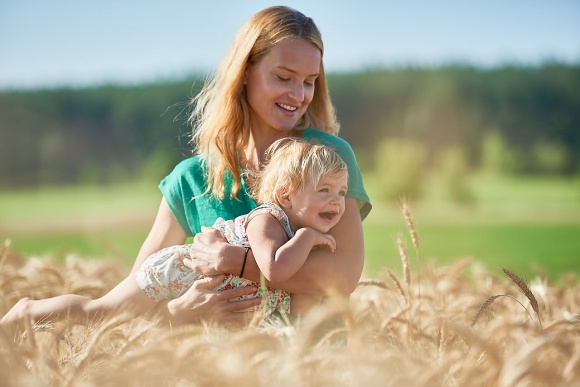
x=319, y=207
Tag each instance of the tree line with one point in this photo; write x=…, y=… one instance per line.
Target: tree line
x=515, y=119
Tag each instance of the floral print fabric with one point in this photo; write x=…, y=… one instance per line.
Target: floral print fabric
x=163, y=275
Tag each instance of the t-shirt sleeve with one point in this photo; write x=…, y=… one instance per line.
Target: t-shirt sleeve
x=184, y=191
x=177, y=191
x=356, y=187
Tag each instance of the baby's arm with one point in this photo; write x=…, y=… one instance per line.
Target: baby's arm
x=277, y=257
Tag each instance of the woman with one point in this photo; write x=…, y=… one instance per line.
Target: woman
x=270, y=84
x=301, y=190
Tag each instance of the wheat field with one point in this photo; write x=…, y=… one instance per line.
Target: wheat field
x=431, y=326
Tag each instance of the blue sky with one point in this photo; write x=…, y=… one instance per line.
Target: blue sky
x=47, y=43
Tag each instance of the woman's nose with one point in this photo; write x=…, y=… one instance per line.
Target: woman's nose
x=297, y=92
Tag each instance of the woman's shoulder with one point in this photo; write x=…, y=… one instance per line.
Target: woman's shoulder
x=189, y=165
x=339, y=144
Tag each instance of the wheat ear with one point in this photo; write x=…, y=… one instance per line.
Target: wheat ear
x=371, y=282
x=488, y=301
x=525, y=290
x=406, y=210
x=483, y=308
x=398, y=286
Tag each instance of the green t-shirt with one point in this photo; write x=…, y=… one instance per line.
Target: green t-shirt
x=183, y=188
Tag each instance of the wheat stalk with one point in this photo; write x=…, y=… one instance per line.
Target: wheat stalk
x=404, y=261
x=4, y=251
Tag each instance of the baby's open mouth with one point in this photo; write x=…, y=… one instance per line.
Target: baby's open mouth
x=328, y=215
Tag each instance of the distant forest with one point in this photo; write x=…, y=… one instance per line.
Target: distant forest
x=528, y=116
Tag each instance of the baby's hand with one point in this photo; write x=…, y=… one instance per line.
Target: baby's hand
x=324, y=240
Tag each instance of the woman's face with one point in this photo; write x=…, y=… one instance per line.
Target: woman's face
x=280, y=86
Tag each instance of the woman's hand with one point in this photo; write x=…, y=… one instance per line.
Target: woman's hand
x=202, y=303
x=211, y=254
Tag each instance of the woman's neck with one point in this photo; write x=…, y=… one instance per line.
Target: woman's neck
x=253, y=156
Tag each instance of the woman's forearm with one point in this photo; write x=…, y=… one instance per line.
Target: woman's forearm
x=165, y=232
x=325, y=272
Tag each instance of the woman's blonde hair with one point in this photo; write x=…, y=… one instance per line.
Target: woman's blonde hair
x=292, y=163
x=221, y=114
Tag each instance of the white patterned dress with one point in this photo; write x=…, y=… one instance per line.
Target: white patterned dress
x=163, y=275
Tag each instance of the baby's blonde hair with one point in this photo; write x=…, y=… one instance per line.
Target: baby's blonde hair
x=291, y=163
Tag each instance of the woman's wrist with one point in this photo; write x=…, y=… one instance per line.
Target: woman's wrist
x=233, y=259
x=174, y=307
x=244, y=262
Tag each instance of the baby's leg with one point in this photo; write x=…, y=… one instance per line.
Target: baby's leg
x=126, y=298
x=300, y=304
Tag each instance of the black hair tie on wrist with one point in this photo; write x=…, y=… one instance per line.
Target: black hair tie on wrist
x=244, y=264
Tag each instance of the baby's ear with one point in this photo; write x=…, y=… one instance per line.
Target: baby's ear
x=283, y=198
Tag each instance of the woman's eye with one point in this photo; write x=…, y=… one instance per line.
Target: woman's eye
x=283, y=79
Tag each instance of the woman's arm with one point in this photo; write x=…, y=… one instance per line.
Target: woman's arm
x=165, y=232
x=323, y=273
x=338, y=272
x=200, y=302
x=277, y=257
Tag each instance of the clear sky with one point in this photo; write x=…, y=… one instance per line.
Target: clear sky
x=47, y=43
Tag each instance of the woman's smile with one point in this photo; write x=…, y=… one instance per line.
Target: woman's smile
x=287, y=107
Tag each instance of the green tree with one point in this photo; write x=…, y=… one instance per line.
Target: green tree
x=400, y=168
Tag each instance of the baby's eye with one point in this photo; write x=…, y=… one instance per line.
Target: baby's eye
x=342, y=193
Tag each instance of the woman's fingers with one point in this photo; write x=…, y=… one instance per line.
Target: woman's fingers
x=207, y=235
x=235, y=307
x=208, y=282
x=202, y=302
x=231, y=294
x=228, y=300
